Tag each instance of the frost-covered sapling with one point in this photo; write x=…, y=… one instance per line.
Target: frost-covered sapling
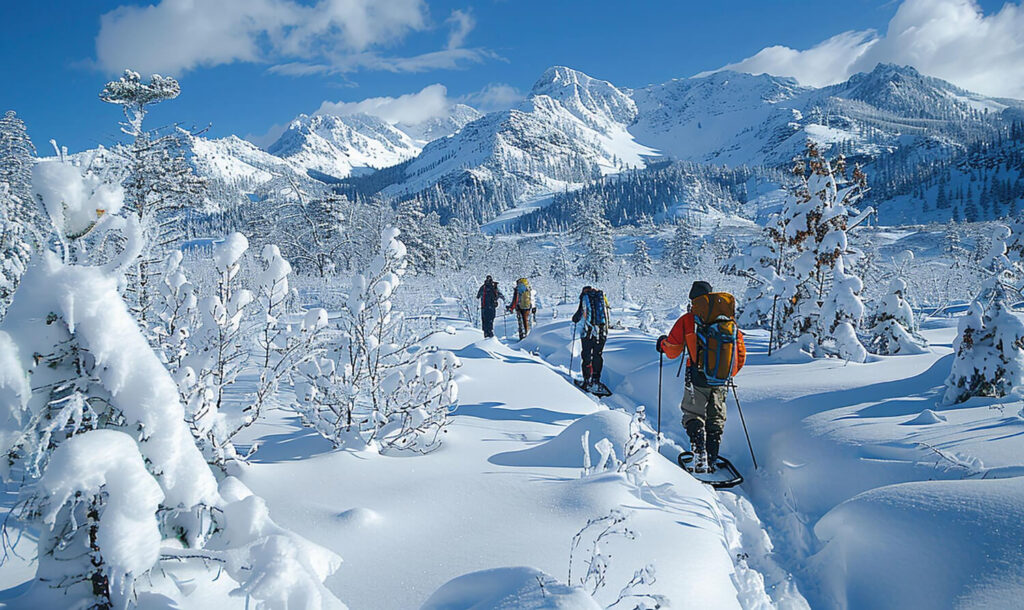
x=219, y=353
x=637, y=451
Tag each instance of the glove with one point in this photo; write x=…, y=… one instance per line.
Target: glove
x=658, y=346
x=534, y=311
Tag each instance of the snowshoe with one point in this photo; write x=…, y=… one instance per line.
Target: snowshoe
x=596, y=388
x=721, y=475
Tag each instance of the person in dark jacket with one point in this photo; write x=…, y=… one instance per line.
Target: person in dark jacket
x=488, y=295
x=594, y=312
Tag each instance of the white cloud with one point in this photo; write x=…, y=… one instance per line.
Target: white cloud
x=329, y=36
x=431, y=102
x=462, y=24
x=495, y=96
x=951, y=39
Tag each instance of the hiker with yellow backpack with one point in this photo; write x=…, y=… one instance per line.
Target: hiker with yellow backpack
x=715, y=354
x=523, y=305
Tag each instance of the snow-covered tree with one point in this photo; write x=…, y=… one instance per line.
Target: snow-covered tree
x=159, y=182
x=811, y=231
x=219, y=354
x=22, y=228
x=679, y=252
x=380, y=387
x=92, y=426
x=893, y=329
x=989, y=348
x=759, y=266
x=593, y=234
x=560, y=267
x=640, y=259
x=308, y=224
x=842, y=312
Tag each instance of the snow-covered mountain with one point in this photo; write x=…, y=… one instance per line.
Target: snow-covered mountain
x=731, y=118
x=570, y=130
x=573, y=128
x=338, y=146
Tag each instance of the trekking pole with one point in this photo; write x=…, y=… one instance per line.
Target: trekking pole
x=661, y=367
x=572, y=345
x=504, y=321
x=740, y=409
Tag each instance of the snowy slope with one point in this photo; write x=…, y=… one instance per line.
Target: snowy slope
x=233, y=160
x=504, y=490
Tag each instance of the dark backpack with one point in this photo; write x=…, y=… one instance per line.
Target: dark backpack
x=598, y=317
x=714, y=317
x=490, y=300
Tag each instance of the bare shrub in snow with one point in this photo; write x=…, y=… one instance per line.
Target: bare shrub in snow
x=589, y=551
x=378, y=387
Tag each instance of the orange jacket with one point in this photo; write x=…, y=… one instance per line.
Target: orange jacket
x=684, y=336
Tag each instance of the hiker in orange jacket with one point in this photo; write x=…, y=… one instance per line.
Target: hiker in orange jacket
x=703, y=405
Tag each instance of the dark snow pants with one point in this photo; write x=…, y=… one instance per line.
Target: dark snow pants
x=593, y=356
x=487, y=318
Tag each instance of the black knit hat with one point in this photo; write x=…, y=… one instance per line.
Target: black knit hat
x=699, y=289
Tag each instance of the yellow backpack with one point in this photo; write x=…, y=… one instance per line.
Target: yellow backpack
x=525, y=300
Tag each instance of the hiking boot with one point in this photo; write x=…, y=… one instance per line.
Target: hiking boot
x=714, y=442
x=700, y=462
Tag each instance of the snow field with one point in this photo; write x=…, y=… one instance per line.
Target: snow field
x=504, y=490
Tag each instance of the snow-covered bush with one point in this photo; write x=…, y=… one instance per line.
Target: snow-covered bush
x=379, y=387
x=989, y=348
x=893, y=329
x=112, y=476
x=842, y=312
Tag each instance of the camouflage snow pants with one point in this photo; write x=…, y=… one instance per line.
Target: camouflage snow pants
x=706, y=405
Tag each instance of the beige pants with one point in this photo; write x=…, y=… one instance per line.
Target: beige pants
x=707, y=405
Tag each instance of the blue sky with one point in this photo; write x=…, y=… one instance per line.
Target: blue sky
x=247, y=65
